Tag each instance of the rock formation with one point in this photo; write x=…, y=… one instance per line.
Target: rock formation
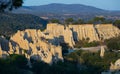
x=102, y=51
x=33, y=44
x=115, y=66
x=60, y=33
x=107, y=31
x=85, y=31
x=4, y=47
x=69, y=34
x=45, y=45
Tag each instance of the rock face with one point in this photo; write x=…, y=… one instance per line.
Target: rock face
x=60, y=34
x=4, y=47
x=107, y=31
x=45, y=45
x=84, y=31
x=115, y=66
x=95, y=32
x=33, y=44
x=102, y=51
x=69, y=34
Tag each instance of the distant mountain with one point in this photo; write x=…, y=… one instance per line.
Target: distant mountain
x=63, y=11
x=60, y=9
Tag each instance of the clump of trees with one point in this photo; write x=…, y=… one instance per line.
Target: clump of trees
x=69, y=21
x=13, y=64
x=117, y=23
x=113, y=43
x=95, y=20
x=77, y=62
x=86, y=43
x=54, y=21
x=91, y=62
x=10, y=4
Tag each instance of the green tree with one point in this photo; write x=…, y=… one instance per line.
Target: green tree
x=113, y=43
x=10, y=4
x=18, y=60
x=39, y=67
x=54, y=21
x=97, y=20
x=69, y=20
x=117, y=23
x=65, y=47
x=79, y=21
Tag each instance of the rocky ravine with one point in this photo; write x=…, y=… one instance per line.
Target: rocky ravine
x=45, y=45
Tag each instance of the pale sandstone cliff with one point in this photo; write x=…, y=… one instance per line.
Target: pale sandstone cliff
x=107, y=31
x=61, y=33
x=31, y=42
x=73, y=33
x=45, y=45
x=85, y=31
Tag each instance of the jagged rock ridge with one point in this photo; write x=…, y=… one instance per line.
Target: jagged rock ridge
x=70, y=34
x=33, y=44
x=45, y=45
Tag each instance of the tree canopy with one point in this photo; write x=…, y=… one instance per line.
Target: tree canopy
x=113, y=43
x=10, y=4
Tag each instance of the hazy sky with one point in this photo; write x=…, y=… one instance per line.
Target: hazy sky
x=104, y=4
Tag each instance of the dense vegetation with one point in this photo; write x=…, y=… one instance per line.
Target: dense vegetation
x=113, y=43
x=92, y=63
x=78, y=62
x=86, y=43
x=10, y=4
x=14, y=64
x=10, y=23
x=95, y=20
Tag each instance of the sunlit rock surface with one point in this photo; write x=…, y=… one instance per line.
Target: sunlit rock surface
x=107, y=31
x=84, y=32
x=33, y=43
x=71, y=33
x=115, y=66
x=60, y=34
x=45, y=45
x=95, y=32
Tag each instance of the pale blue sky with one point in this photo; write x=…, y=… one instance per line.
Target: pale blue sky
x=104, y=4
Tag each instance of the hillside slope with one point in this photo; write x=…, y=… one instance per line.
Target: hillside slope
x=10, y=23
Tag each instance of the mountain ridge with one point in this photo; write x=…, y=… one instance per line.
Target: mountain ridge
x=63, y=8
x=63, y=11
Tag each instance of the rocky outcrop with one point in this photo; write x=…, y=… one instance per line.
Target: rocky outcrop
x=69, y=34
x=86, y=31
x=4, y=47
x=102, y=51
x=60, y=34
x=107, y=31
x=45, y=45
x=115, y=66
x=95, y=32
x=33, y=44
